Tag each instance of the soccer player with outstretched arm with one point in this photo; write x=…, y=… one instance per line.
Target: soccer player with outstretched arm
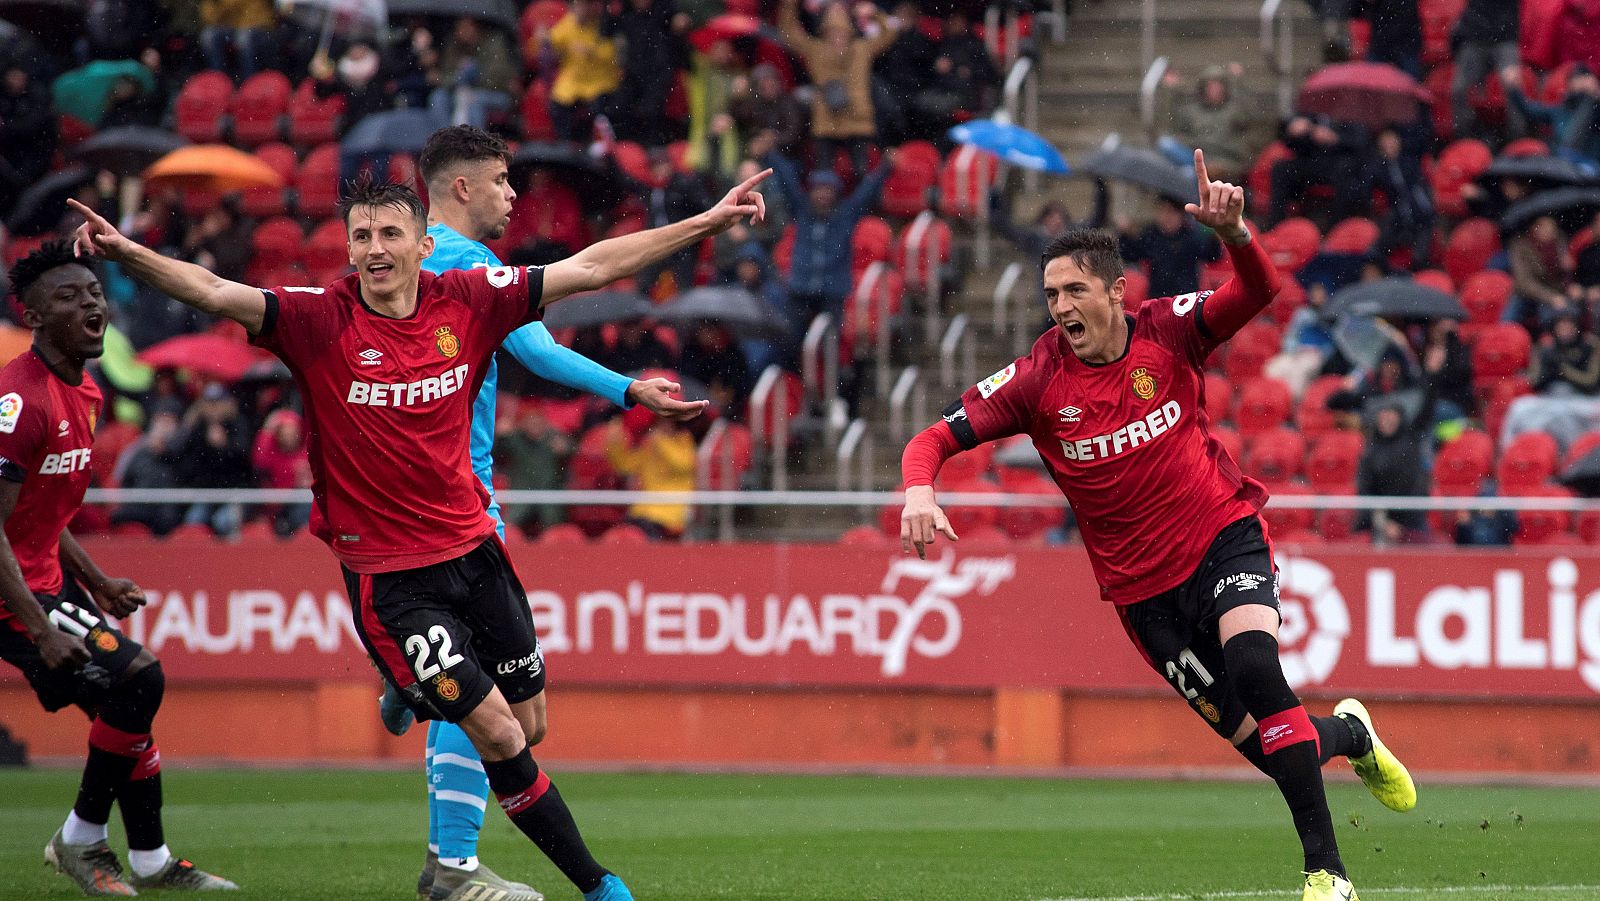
x=469, y=202
x=1115, y=405
x=52, y=594
x=388, y=361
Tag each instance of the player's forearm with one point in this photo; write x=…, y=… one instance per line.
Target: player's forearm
x=189, y=284
x=565, y=366
x=78, y=564
x=925, y=455
x=1255, y=282
x=601, y=264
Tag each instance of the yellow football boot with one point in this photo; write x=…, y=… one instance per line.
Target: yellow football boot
x=1382, y=772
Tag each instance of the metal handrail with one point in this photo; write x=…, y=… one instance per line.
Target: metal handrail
x=1020, y=101
x=966, y=165
x=959, y=337
x=1001, y=18
x=1147, y=95
x=917, y=241
x=819, y=362
x=855, y=453
x=872, y=294
x=908, y=404
x=716, y=450
x=768, y=395
x=1277, y=45
x=1002, y=295
x=1147, y=33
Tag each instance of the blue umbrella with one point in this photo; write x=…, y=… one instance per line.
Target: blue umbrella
x=1014, y=144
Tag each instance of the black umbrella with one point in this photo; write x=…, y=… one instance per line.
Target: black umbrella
x=48, y=20
x=597, y=308
x=1145, y=168
x=1544, y=171
x=393, y=131
x=129, y=150
x=1572, y=208
x=40, y=207
x=740, y=311
x=1583, y=476
x=600, y=185
x=1395, y=298
x=494, y=12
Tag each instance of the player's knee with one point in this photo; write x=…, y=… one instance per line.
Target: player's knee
x=132, y=704
x=1251, y=658
x=495, y=734
x=538, y=731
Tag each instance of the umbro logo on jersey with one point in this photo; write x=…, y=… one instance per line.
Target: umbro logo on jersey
x=64, y=428
x=1071, y=414
x=370, y=357
x=1243, y=581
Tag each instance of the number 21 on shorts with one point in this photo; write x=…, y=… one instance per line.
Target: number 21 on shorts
x=436, y=643
x=1176, y=673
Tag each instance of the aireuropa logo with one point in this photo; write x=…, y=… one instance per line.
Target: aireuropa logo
x=1316, y=621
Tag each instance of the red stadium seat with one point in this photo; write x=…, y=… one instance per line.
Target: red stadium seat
x=1230, y=440
x=1029, y=522
x=969, y=519
x=1264, y=404
x=1331, y=466
x=1311, y=414
x=1219, y=396
x=1281, y=521
x=794, y=396
x=1471, y=245
x=275, y=243
x=258, y=107
x=1501, y=349
x=918, y=263
x=326, y=254
x=1527, y=146
x=1495, y=397
x=313, y=121
x=1529, y=460
x=1438, y=18
x=541, y=14
x=1543, y=527
x=1290, y=297
x=625, y=533
x=1355, y=235
x=1437, y=279
x=563, y=533
x=964, y=181
x=1260, y=177
x=317, y=182
x=535, y=111
x=1292, y=243
x=739, y=453
x=201, y=109
x=259, y=203
x=1276, y=455
x=1459, y=165
x=1485, y=294
x=865, y=536
x=633, y=160
x=1589, y=526
x=870, y=242
x=1249, y=350
x=1464, y=462
x=916, y=169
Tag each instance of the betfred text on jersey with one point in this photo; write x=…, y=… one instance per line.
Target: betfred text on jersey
x=64, y=463
x=1130, y=436
x=409, y=393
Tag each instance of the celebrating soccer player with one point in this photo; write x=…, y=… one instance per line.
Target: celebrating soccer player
x=389, y=361
x=50, y=627
x=469, y=200
x=1115, y=404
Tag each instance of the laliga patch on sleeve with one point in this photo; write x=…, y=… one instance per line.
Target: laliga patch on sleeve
x=501, y=276
x=10, y=412
x=995, y=382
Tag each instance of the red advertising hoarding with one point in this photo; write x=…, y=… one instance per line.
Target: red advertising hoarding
x=1418, y=623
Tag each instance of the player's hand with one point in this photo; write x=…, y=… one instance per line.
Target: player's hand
x=655, y=395
x=118, y=597
x=97, y=237
x=1221, y=206
x=60, y=650
x=744, y=200
x=921, y=522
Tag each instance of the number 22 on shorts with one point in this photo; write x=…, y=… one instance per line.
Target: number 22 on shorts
x=418, y=649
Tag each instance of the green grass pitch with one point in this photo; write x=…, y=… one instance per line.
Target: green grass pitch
x=341, y=836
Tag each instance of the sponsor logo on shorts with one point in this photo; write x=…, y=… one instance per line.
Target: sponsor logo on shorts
x=1144, y=384
x=532, y=662
x=997, y=381
x=1243, y=581
x=10, y=412
x=448, y=344
x=447, y=687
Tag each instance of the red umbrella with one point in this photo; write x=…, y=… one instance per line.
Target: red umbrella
x=724, y=27
x=205, y=354
x=1370, y=94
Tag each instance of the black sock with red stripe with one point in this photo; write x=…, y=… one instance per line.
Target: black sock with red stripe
x=139, y=799
x=530, y=799
x=1289, y=747
x=113, y=754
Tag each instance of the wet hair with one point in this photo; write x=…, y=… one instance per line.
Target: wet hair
x=1093, y=250
x=50, y=255
x=459, y=144
x=364, y=191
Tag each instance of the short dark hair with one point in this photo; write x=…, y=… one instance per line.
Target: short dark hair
x=364, y=191
x=50, y=255
x=459, y=144
x=1093, y=250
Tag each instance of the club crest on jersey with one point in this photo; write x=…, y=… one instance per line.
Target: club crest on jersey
x=995, y=382
x=105, y=641
x=449, y=689
x=448, y=344
x=1144, y=384
x=10, y=412
x=1208, y=709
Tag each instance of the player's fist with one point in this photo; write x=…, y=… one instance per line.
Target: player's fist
x=744, y=200
x=96, y=236
x=118, y=597
x=921, y=522
x=1221, y=205
x=60, y=650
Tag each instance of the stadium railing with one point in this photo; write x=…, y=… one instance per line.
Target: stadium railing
x=908, y=404
x=1277, y=45
x=960, y=341
x=1148, y=88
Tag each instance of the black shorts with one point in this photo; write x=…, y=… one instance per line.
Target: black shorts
x=110, y=652
x=448, y=633
x=1177, y=629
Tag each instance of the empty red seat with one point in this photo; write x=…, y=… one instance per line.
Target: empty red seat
x=920, y=252
x=1260, y=176
x=1500, y=349
x=1276, y=455
x=871, y=242
x=263, y=202
x=1230, y=440
x=916, y=169
x=258, y=107
x=1471, y=245
x=1355, y=235
x=964, y=181
x=562, y=533
x=1135, y=290
x=1589, y=526
x=1249, y=350
x=1264, y=404
x=1464, y=461
x=313, y=121
x=1495, y=397
x=1332, y=463
x=1529, y=460
x=1543, y=526
x=1459, y=164
x=1290, y=297
x=1219, y=397
x=1292, y=243
x=317, y=183
x=1311, y=414
x=201, y=109
x=275, y=243
x=1485, y=294
x=535, y=111
x=326, y=254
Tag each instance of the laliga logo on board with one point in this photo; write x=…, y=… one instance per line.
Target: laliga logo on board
x=1316, y=621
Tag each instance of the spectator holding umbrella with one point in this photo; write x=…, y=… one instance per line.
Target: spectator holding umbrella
x=840, y=63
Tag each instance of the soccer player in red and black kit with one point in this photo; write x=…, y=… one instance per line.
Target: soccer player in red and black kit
x=51, y=624
x=388, y=361
x=1115, y=404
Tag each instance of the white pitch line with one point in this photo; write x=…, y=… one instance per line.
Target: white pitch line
x=1396, y=890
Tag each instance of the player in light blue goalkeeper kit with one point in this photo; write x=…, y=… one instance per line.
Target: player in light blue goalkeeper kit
x=470, y=200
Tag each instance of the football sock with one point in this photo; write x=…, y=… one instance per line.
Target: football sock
x=1341, y=736
x=139, y=799
x=458, y=791
x=78, y=831
x=112, y=756
x=1289, y=744
x=149, y=863
x=427, y=776
x=459, y=863
x=530, y=799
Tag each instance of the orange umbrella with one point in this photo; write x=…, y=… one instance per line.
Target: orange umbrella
x=214, y=167
x=14, y=342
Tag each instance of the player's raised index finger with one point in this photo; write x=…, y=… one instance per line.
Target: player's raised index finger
x=754, y=180
x=1201, y=175
x=87, y=213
